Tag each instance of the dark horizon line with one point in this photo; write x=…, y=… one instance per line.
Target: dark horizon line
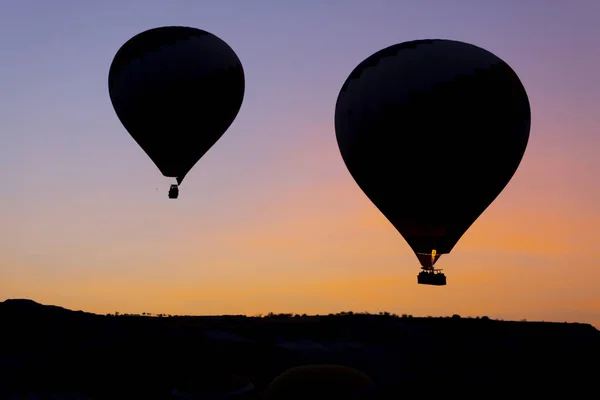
x=282, y=315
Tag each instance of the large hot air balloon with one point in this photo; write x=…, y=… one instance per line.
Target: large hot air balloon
x=176, y=90
x=432, y=131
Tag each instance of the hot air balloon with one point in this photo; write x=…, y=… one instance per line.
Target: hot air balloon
x=432, y=131
x=317, y=381
x=176, y=90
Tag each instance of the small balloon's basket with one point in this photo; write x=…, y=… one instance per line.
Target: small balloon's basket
x=174, y=192
x=431, y=276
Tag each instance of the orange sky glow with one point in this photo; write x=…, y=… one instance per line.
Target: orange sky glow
x=270, y=220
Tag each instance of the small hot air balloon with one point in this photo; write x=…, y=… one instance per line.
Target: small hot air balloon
x=432, y=131
x=176, y=90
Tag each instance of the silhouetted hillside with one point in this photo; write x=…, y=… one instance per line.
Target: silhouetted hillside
x=128, y=356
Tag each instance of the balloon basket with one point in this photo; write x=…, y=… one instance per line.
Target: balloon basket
x=434, y=277
x=174, y=192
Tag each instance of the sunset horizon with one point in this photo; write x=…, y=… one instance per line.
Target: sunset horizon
x=270, y=219
x=271, y=314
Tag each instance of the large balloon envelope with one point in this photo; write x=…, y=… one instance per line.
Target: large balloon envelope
x=432, y=131
x=176, y=90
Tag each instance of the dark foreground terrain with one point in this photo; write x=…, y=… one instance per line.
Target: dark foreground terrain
x=49, y=348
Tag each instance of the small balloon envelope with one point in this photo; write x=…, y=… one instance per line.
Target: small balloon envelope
x=176, y=90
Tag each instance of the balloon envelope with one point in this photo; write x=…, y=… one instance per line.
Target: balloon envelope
x=176, y=90
x=432, y=131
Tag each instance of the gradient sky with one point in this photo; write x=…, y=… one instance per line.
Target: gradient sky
x=270, y=219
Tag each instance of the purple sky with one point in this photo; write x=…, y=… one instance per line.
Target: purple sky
x=83, y=222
